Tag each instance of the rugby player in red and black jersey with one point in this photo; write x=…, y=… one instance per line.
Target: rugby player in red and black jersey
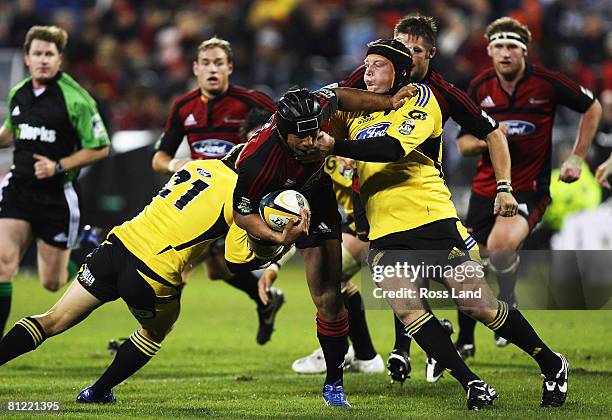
x=418, y=34
x=211, y=116
x=269, y=162
x=522, y=98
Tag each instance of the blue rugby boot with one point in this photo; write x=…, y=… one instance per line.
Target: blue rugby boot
x=87, y=396
x=334, y=396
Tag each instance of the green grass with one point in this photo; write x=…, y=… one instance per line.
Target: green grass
x=210, y=365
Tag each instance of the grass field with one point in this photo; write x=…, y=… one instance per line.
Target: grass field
x=211, y=367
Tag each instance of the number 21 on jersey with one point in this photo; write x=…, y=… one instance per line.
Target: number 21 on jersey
x=180, y=182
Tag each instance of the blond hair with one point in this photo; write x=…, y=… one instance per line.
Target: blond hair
x=215, y=42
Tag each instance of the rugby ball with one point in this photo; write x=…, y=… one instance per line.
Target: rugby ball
x=278, y=207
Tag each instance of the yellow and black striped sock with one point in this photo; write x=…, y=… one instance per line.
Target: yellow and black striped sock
x=25, y=336
x=510, y=324
x=433, y=338
x=131, y=356
x=144, y=344
x=500, y=318
x=416, y=325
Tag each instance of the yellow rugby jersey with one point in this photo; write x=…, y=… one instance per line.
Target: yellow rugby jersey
x=410, y=192
x=342, y=178
x=193, y=209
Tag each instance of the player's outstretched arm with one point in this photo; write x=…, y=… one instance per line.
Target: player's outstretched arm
x=166, y=164
x=571, y=168
x=350, y=99
x=470, y=145
x=367, y=150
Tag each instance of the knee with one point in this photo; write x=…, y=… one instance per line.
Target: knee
x=9, y=264
x=481, y=314
x=499, y=243
x=407, y=316
x=52, y=283
x=156, y=335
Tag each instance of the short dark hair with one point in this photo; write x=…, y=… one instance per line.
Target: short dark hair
x=46, y=33
x=418, y=25
x=255, y=118
x=508, y=24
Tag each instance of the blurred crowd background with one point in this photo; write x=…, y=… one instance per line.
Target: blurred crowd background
x=135, y=57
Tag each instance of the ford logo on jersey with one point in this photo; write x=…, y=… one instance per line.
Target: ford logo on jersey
x=376, y=130
x=518, y=127
x=212, y=148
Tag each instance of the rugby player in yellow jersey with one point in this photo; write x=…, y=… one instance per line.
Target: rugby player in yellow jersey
x=141, y=262
x=409, y=209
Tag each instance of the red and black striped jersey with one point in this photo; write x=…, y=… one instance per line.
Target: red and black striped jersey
x=210, y=125
x=266, y=164
x=454, y=103
x=529, y=114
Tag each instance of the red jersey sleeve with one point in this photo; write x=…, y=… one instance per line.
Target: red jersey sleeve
x=463, y=108
x=485, y=123
x=570, y=93
x=173, y=133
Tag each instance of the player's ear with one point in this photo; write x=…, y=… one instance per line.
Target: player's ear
x=194, y=68
x=489, y=51
x=432, y=52
x=230, y=67
x=525, y=53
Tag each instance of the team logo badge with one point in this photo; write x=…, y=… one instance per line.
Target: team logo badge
x=416, y=114
x=406, y=127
